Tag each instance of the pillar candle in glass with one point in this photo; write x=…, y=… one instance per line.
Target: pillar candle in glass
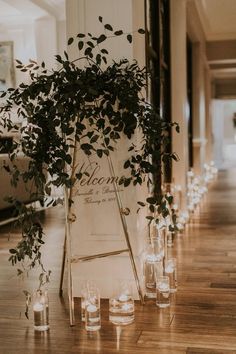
x=92, y=310
x=86, y=287
x=41, y=310
x=121, y=305
x=163, y=292
x=171, y=272
x=152, y=266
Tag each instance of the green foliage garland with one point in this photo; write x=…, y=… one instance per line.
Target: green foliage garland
x=93, y=106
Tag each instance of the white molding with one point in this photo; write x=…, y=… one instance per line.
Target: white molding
x=199, y=142
x=211, y=35
x=201, y=8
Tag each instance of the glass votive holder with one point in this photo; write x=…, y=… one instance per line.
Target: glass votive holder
x=180, y=227
x=84, y=302
x=169, y=239
x=92, y=310
x=171, y=271
x=153, y=268
x=163, y=292
x=121, y=306
x=88, y=285
x=41, y=310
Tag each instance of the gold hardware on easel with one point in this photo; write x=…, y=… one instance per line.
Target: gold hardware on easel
x=125, y=211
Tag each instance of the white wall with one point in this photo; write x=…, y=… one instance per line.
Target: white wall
x=46, y=40
x=23, y=38
x=179, y=91
x=39, y=40
x=224, y=133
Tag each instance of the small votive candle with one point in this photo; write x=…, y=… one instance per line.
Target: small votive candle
x=92, y=310
x=171, y=272
x=163, y=292
x=92, y=317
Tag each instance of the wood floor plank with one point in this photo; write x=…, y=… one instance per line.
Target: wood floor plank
x=209, y=351
x=202, y=316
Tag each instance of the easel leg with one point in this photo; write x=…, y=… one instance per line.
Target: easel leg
x=141, y=297
x=68, y=250
x=70, y=295
x=126, y=233
x=62, y=268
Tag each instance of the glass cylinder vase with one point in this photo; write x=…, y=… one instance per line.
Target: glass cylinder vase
x=92, y=310
x=121, y=304
x=41, y=310
x=152, y=266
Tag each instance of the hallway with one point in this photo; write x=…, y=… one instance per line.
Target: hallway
x=201, y=319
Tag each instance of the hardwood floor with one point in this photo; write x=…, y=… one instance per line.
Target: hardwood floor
x=202, y=316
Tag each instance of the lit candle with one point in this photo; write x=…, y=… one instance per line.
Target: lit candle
x=38, y=309
x=91, y=308
x=127, y=307
x=180, y=226
x=163, y=287
x=123, y=297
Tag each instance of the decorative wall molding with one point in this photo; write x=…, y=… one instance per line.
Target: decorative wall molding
x=199, y=142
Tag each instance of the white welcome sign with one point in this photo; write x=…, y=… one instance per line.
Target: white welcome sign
x=98, y=228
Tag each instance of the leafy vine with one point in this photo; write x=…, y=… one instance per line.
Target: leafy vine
x=92, y=106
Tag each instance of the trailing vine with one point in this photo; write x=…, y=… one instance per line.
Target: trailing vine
x=94, y=105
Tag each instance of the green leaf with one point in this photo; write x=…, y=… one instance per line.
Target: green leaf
x=68, y=159
x=151, y=208
x=107, y=130
x=175, y=157
x=127, y=182
x=104, y=59
x=141, y=31
x=19, y=272
x=90, y=44
x=100, y=19
x=80, y=35
x=118, y=33
x=129, y=38
x=86, y=147
x=100, y=152
x=98, y=59
x=101, y=38
x=80, y=45
x=108, y=27
x=79, y=175
x=126, y=164
x=94, y=139
x=70, y=40
x=104, y=51
x=151, y=200
x=58, y=58
x=12, y=251
x=141, y=203
x=88, y=51
x=150, y=218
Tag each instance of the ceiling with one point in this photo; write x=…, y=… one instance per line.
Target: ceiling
x=218, y=18
x=18, y=11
